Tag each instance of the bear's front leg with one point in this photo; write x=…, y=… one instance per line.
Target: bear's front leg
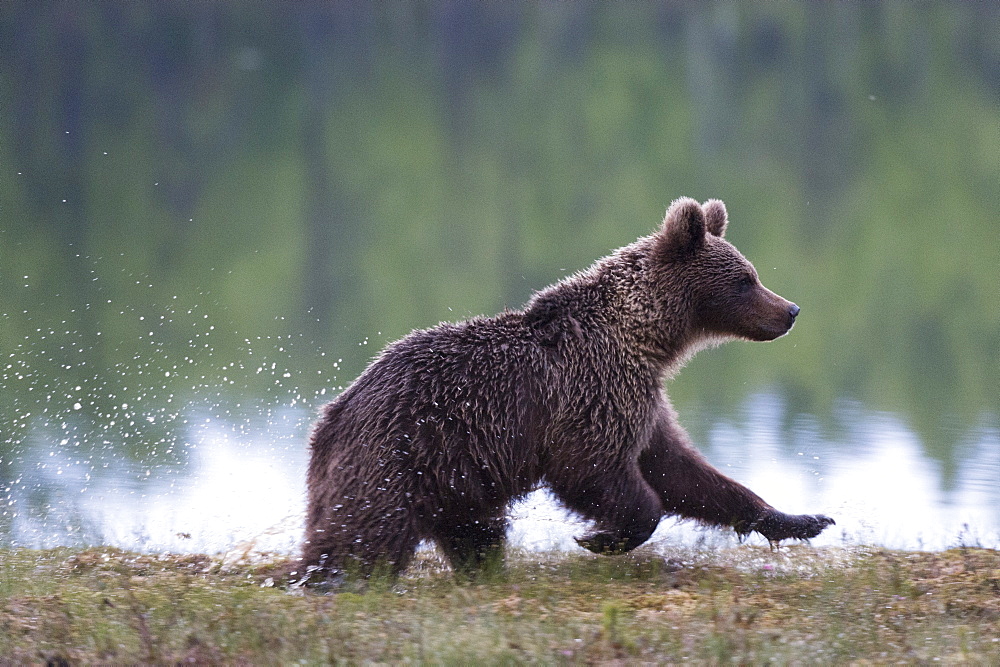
x=689, y=486
x=626, y=510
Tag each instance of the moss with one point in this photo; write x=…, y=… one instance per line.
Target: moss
x=744, y=604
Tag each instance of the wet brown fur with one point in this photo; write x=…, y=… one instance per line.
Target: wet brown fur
x=448, y=425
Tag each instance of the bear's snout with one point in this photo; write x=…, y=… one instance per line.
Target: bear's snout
x=792, y=310
x=775, y=317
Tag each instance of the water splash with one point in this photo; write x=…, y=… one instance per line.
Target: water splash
x=241, y=481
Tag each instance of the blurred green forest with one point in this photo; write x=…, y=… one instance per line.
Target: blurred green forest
x=193, y=190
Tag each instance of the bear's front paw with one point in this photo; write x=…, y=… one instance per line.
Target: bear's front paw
x=600, y=543
x=617, y=541
x=777, y=526
x=603, y=543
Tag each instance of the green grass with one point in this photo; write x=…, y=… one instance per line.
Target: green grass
x=744, y=604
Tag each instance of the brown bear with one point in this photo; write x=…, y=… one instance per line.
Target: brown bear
x=450, y=424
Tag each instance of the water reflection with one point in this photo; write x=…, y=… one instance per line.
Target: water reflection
x=878, y=484
x=240, y=482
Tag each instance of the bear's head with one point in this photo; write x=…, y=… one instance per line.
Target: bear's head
x=704, y=275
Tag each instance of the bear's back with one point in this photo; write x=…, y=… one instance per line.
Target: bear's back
x=475, y=382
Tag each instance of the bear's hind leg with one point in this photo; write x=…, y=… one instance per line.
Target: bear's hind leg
x=352, y=541
x=473, y=545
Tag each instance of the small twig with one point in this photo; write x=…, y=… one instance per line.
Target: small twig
x=139, y=621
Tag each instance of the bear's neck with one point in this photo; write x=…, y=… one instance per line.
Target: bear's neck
x=612, y=301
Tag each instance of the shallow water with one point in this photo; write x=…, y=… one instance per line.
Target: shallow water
x=238, y=483
x=160, y=264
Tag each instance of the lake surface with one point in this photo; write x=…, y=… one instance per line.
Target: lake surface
x=202, y=227
x=235, y=481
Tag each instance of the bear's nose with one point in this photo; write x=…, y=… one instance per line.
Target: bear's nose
x=793, y=310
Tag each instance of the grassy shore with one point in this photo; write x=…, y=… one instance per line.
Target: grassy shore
x=745, y=604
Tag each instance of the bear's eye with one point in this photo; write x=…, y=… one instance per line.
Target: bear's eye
x=746, y=282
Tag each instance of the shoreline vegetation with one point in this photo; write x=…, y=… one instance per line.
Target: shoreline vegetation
x=740, y=604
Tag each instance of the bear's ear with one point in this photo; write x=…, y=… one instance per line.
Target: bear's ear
x=683, y=226
x=716, y=217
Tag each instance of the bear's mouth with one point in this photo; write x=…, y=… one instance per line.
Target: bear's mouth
x=772, y=330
